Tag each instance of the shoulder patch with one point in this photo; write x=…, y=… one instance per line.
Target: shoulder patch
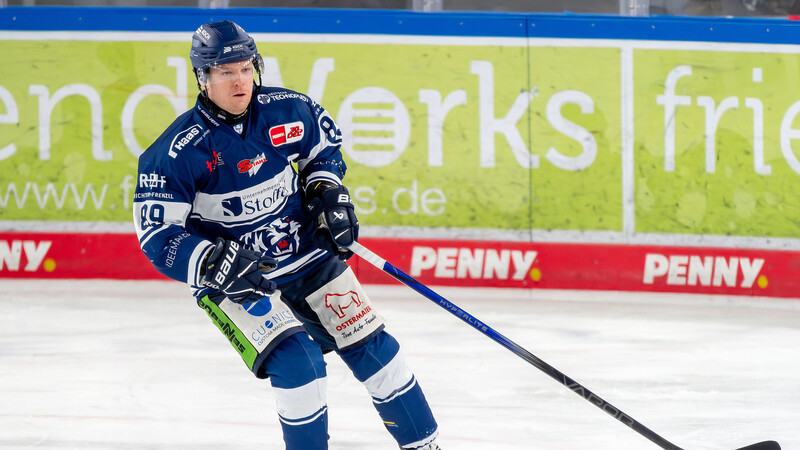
x=269, y=97
x=286, y=133
x=183, y=138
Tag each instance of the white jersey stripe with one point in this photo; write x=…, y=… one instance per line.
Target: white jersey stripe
x=323, y=175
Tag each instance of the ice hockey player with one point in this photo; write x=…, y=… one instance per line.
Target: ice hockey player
x=219, y=203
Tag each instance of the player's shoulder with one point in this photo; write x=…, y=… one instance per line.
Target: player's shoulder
x=278, y=99
x=183, y=137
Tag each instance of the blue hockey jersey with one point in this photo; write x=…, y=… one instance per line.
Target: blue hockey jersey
x=201, y=180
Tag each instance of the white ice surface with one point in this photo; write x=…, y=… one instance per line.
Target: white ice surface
x=137, y=365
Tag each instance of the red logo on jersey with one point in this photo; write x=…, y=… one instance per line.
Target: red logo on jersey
x=251, y=165
x=286, y=133
x=213, y=163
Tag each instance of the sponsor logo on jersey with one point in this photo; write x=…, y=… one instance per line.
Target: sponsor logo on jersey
x=232, y=207
x=12, y=252
x=251, y=166
x=215, y=161
x=476, y=264
x=266, y=198
x=172, y=249
x=694, y=270
x=286, y=133
x=277, y=96
x=152, y=180
x=183, y=138
x=255, y=204
x=153, y=195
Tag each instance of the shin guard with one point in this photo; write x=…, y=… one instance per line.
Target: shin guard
x=397, y=397
x=297, y=373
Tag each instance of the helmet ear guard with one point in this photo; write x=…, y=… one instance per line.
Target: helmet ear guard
x=202, y=76
x=258, y=65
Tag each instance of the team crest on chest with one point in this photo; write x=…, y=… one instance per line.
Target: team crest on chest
x=286, y=133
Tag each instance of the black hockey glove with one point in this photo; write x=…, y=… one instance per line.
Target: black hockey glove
x=238, y=272
x=330, y=205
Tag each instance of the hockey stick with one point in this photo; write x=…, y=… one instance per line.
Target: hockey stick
x=370, y=257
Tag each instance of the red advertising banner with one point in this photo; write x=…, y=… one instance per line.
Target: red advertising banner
x=74, y=255
x=753, y=272
x=727, y=271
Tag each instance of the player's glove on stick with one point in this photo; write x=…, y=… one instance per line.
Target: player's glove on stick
x=238, y=272
x=331, y=206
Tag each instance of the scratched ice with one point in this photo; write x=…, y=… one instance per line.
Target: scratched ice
x=136, y=365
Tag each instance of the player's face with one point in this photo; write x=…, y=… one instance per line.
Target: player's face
x=230, y=86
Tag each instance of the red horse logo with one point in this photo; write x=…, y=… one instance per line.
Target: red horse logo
x=339, y=302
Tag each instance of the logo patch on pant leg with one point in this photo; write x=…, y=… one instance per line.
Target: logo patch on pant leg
x=345, y=310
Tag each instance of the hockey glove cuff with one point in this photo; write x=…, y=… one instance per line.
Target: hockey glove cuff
x=333, y=210
x=238, y=272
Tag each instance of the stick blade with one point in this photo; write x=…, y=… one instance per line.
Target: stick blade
x=766, y=445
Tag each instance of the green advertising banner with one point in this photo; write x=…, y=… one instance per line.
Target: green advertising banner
x=714, y=153
x=507, y=135
x=412, y=119
x=428, y=129
x=576, y=134
x=76, y=116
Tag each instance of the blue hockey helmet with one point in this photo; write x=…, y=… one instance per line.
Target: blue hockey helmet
x=219, y=43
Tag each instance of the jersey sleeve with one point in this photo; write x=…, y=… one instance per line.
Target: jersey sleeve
x=166, y=186
x=321, y=157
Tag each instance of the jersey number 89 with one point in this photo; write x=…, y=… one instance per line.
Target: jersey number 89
x=152, y=215
x=329, y=128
